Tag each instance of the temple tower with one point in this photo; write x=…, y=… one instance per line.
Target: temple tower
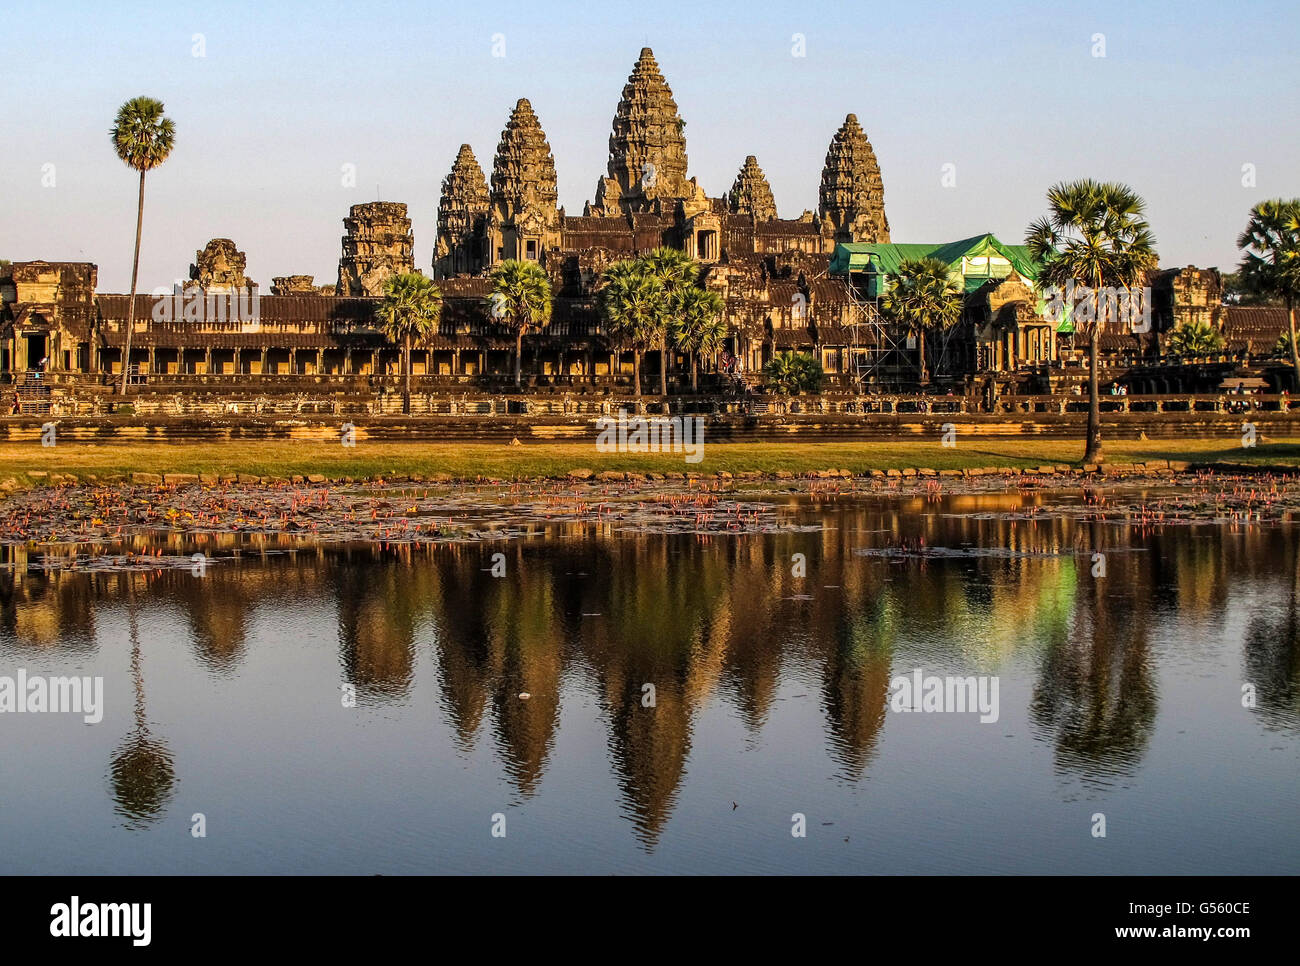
x=376, y=246
x=647, y=149
x=219, y=267
x=462, y=218
x=751, y=194
x=852, y=196
x=523, y=218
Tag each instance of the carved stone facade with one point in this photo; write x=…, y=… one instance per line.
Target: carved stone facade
x=647, y=149
x=852, y=196
x=751, y=194
x=523, y=217
x=1186, y=295
x=377, y=245
x=219, y=267
x=47, y=311
x=294, y=285
x=773, y=273
x=646, y=201
x=462, y=218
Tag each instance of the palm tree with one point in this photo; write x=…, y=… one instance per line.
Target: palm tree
x=143, y=138
x=521, y=296
x=1272, y=262
x=1195, y=339
x=675, y=271
x=630, y=303
x=923, y=296
x=411, y=309
x=793, y=373
x=698, y=325
x=1094, y=235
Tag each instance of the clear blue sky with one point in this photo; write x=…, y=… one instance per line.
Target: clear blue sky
x=1010, y=93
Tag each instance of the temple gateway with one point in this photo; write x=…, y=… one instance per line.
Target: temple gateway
x=806, y=284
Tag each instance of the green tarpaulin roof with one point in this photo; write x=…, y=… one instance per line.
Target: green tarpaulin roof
x=885, y=258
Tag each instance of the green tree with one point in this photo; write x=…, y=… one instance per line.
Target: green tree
x=793, y=373
x=1271, y=265
x=924, y=297
x=630, y=304
x=698, y=325
x=1094, y=235
x=411, y=309
x=143, y=137
x=1282, y=348
x=1193, y=339
x=522, y=298
x=676, y=272
x=1237, y=291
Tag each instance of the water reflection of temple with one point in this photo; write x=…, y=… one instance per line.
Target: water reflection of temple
x=722, y=619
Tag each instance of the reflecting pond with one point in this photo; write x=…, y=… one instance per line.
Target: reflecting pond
x=584, y=697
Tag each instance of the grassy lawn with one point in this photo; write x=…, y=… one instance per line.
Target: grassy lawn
x=472, y=460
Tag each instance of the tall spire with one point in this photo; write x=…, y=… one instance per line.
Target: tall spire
x=647, y=148
x=523, y=172
x=751, y=194
x=852, y=196
x=462, y=209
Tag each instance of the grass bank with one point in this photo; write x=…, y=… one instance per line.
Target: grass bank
x=20, y=461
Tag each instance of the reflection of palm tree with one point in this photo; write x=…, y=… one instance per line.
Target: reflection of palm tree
x=1096, y=690
x=141, y=769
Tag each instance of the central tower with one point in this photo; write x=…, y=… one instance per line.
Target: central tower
x=647, y=148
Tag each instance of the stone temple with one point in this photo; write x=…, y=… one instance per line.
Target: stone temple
x=807, y=284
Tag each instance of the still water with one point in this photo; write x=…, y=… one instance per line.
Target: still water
x=1163, y=695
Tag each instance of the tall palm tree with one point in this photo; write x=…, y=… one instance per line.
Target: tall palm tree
x=698, y=326
x=675, y=271
x=923, y=296
x=1272, y=261
x=1094, y=235
x=143, y=137
x=630, y=301
x=411, y=309
x=521, y=297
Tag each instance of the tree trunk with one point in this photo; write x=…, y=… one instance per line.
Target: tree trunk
x=695, y=372
x=519, y=358
x=406, y=373
x=663, y=366
x=135, y=273
x=636, y=371
x=920, y=345
x=1295, y=349
x=1092, y=452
